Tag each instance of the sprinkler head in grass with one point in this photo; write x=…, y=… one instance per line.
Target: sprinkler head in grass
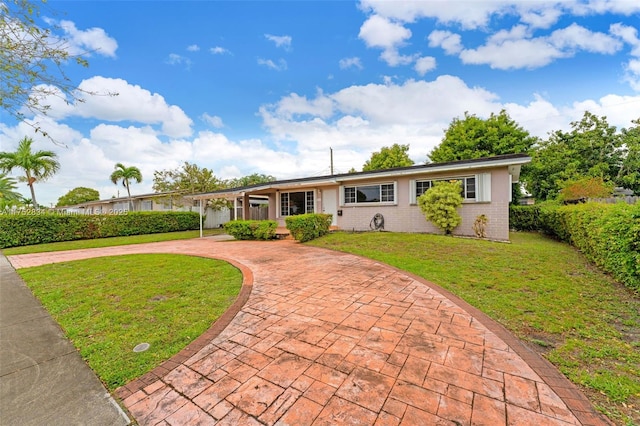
x=141, y=347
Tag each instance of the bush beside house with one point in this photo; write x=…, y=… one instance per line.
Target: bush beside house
x=306, y=227
x=251, y=229
x=607, y=234
x=21, y=230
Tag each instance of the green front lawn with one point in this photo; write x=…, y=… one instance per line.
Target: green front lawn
x=108, y=305
x=544, y=291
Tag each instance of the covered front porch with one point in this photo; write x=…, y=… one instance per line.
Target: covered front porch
x=277, y=200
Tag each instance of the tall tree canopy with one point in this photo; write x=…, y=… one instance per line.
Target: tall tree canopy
x=474, y=137
x=126, y=175
x=186, y=179
x=389, y=158
x=78, y=195
x=39, y=165
x=592, y=148
x=249, y=180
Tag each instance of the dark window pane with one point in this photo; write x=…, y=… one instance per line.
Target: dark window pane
x=369, y=194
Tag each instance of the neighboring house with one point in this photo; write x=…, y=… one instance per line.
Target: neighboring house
x=166, y=201
x=355, y=198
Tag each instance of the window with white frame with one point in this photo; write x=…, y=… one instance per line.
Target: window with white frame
x=384, y=193
x=121, y=206
x=146, y=205
x=294, y=203
x=473, y=188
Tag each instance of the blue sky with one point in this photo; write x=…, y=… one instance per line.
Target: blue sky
x=268, y=87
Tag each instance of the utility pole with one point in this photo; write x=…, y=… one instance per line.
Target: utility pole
x=331, y=152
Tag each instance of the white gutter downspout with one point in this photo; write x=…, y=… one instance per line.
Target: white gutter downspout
x=200, y=218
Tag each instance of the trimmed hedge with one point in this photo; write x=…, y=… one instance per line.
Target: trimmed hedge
x=607, y=234
x=251, y=229
x=306, y=227
x=43, y=227
x=524, y=218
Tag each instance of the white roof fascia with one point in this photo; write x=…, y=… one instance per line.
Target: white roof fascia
x=445, y=168
x=336, y=180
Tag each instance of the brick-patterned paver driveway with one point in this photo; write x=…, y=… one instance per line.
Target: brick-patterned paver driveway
x=326, y=338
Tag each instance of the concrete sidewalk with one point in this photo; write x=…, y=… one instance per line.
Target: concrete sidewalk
x=43, y=379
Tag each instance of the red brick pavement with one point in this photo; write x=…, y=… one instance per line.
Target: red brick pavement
x=324, y=338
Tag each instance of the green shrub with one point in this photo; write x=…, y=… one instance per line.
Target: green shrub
x=607, y=234
x=440, y=203
x=251, y=229
x=24, y=228
x=306, y=227
x=524, y=218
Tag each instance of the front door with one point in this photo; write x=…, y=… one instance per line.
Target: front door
x=330, y=204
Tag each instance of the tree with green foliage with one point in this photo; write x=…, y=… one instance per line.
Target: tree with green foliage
x=440, y=203
x=253, y=179
x=32, y=63
x=474, y=137
x=77, y=196
x=629, y=173
x=389, y=158
x=187, y=179
x=591, y=149
x=583, y=188
x=37, y=166
x=126, y=174
x=9, y=196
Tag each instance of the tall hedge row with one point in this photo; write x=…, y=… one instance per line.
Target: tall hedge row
x=26, y=229
x=607, y=234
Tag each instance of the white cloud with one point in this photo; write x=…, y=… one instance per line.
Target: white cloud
x=629, y=35
x=281, y=65
x=477, y=14
x=353, y=62
x=469, y=14
x=212, y=120
x=219, y=50
x=132, y=103
x=193, y=48
x=514, y=48
x=425, y=64
x=448, y=41
x=379, y=32
x=86, y=42
x=280, y=41
x=175, y=59
x=576, y=37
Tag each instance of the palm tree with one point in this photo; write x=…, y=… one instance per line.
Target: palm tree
x=8, y=195
x=36, y=165
x=125, y=174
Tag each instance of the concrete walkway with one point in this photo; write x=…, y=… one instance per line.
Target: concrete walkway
x=325, y=338
x=43, y=379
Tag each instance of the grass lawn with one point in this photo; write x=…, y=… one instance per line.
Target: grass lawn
x=544, y=291
x=108, y=305
x=108, y=242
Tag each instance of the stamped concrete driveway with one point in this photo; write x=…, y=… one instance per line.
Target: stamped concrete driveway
x=325, y=338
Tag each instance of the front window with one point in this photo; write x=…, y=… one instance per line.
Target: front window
x=384, y=193
x=467, y=185
x=294, y=203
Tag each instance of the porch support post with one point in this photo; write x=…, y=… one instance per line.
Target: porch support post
x=201, y=218
x=235, y=208
x=246, y=207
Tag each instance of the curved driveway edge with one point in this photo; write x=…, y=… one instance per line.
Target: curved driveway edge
x=330, y=338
